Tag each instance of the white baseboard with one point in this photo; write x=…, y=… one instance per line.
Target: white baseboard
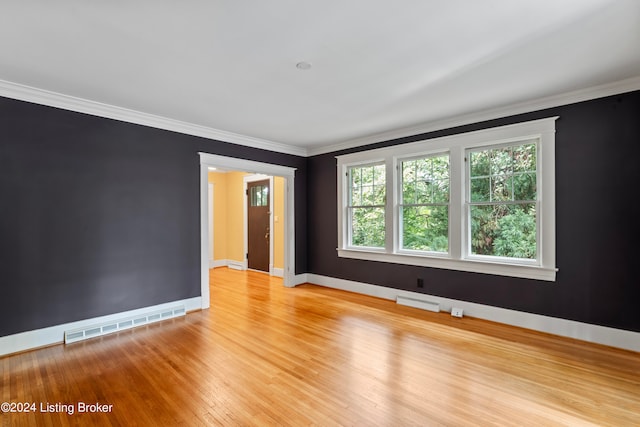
x=218, y=263
x=236, y=265
x=619, y=338
x=299, y=279
x=55, y=334
x=240, y=265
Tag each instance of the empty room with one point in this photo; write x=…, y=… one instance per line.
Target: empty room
x=319, y=213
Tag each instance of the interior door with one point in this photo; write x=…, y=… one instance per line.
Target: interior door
x=258, y=232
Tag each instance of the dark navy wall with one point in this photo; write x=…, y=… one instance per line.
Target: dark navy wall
x=98, y=216
x=598, y=223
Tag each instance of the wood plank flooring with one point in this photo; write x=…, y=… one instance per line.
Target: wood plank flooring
x=266, y=355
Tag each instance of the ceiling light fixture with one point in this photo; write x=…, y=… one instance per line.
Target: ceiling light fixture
x=303, y=65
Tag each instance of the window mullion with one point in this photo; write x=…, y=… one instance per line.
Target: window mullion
x=457, y=208
x=391, y=214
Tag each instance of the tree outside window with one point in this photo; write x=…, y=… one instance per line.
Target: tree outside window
x=424, y=205
x=367, y=196
x=481, y=201
x=502, y=201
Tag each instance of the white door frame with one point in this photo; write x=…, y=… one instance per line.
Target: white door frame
x=211, y=228
x=230, y=163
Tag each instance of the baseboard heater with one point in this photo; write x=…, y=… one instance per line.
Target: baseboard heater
x=236, y=266
x=100, y=329
x=418, y=303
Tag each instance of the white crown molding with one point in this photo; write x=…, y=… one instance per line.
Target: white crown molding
x=66, y=102
x=601, y=91
x=80, y=105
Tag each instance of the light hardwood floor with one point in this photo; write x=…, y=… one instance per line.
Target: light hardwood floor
x=267, y=355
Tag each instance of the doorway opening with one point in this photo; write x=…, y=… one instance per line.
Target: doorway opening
x=254, y=172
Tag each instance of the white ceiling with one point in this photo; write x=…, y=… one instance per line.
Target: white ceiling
x=379, y=68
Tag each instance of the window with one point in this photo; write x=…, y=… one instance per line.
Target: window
x=366, y=205
x=260, y=195
x=481, y=201
x=502, y=201
x=424, y=204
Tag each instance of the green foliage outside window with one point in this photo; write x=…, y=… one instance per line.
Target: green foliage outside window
x=367, y=227
x=425, y=204
x=502, y=196
x=367, y=197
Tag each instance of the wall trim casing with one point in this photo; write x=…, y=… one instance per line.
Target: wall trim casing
x=208, y=160
x=627, y=340
x=55, y=334
x=211, y=227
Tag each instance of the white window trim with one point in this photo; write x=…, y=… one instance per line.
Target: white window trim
x=458, y=258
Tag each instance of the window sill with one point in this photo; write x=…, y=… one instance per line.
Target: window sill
x=475, y=266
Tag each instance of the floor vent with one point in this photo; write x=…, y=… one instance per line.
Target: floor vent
x=97, y=330
x=418, y=303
